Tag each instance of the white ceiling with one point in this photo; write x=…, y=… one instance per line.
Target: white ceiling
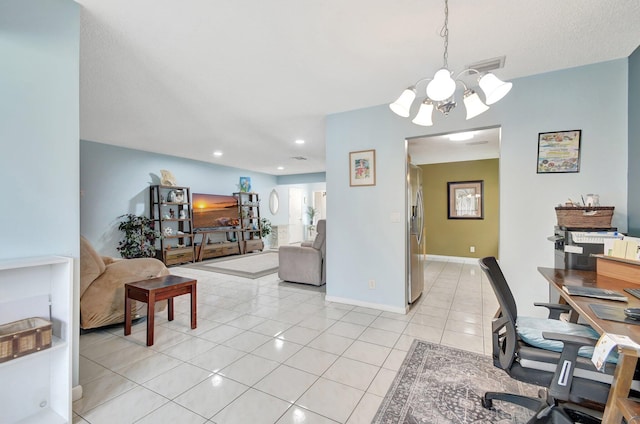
x=185, y=78
x=482, y=144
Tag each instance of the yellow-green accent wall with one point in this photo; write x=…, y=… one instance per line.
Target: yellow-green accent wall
x=453, y=237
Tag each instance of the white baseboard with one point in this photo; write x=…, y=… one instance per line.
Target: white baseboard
x=76, y=393
x=386, y=308
x=453, y=259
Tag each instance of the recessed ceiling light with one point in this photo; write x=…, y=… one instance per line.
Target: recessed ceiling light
x=461, y=136
x=280, y=168
x=217, y=153
x=299, y=141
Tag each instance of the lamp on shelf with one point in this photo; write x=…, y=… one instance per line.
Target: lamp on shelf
x=441, y=89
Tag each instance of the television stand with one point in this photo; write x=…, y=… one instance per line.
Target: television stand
x=207, y=250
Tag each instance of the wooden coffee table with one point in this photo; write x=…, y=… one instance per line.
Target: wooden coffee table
x=156, y=289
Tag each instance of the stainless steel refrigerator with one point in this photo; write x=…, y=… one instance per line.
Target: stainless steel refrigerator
x=415, y=234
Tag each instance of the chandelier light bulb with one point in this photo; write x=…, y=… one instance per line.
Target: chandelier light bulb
x=494, y=89
x=402, y=106
x=442, y=86
x=424, y=116
x=473, y=104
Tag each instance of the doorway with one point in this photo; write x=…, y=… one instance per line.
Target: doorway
x=296, y=228
x=459, y=157
x=320, y=205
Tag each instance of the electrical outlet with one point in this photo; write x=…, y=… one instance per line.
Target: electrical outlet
x=472, y=249
x=372, y=284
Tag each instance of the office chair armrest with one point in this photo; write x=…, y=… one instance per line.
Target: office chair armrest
x=563, y=376
x=555, y=309
x=570, y=340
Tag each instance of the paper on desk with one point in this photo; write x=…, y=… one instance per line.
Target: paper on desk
x=605, y=345
x=619, y=249
x=570, y=248
x=608, y=247
x=626, y=249
x=632, y=252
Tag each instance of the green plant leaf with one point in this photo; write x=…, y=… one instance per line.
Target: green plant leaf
x=139, y=237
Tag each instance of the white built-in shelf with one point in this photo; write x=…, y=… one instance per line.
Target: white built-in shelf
x=36, y=388
x=56, y=343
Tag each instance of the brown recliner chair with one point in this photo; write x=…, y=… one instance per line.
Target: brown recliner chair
x=305, y=264
x=102, y=281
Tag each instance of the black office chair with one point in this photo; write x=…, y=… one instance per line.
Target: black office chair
x=572, y=381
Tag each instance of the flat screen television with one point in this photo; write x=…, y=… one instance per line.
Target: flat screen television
x=214, y=211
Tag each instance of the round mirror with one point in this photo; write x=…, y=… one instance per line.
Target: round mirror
x=274, y=201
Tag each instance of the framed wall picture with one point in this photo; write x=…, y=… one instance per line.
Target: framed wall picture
x=362, y=168
x=245, y=184
x=559, y=152
x=465, y=200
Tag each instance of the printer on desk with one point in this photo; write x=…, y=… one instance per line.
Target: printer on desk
x=574, y=246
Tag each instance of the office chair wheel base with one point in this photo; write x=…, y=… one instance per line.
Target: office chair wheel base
x=487, y=403
x=582, y=418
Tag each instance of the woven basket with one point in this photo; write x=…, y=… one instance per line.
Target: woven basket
x=22, y=337
x=584, y=217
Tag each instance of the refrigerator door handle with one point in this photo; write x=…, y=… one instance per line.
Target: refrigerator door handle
x=420, y=216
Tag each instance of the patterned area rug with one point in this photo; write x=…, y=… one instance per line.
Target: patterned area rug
x=438, y=384
x=253, y=265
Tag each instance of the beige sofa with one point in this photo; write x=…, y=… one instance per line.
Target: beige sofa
x=102, y=281
x=306, y=263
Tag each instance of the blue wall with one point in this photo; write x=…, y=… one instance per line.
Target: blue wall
x=39, y=127
x=365, y=241
x=115, y=181
x=317, y=177
x=39, y=132
x=634, y=143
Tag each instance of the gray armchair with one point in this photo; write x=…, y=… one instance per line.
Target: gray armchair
x=306, y=263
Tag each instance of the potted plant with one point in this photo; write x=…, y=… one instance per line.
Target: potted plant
x=139, y=237
x=311, y=213
x=265, y=227
x=265, y=230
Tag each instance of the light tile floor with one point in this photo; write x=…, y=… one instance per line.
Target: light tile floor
x=272, y=352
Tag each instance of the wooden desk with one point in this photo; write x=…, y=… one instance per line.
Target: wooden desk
x=156, y=289
x=627, y=363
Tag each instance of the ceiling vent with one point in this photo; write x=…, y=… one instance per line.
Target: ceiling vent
x=488, y=64
x=298, y=157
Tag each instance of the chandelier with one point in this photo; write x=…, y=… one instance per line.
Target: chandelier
x=441, y=89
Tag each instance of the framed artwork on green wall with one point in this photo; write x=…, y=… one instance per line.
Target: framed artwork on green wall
x=465, y=199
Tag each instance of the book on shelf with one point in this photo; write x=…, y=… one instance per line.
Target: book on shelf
x=594, y=292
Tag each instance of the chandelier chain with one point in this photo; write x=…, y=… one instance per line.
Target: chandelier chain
x=444, y=33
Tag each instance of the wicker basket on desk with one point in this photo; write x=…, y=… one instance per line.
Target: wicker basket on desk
x=22, y=337
x=584, y=216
